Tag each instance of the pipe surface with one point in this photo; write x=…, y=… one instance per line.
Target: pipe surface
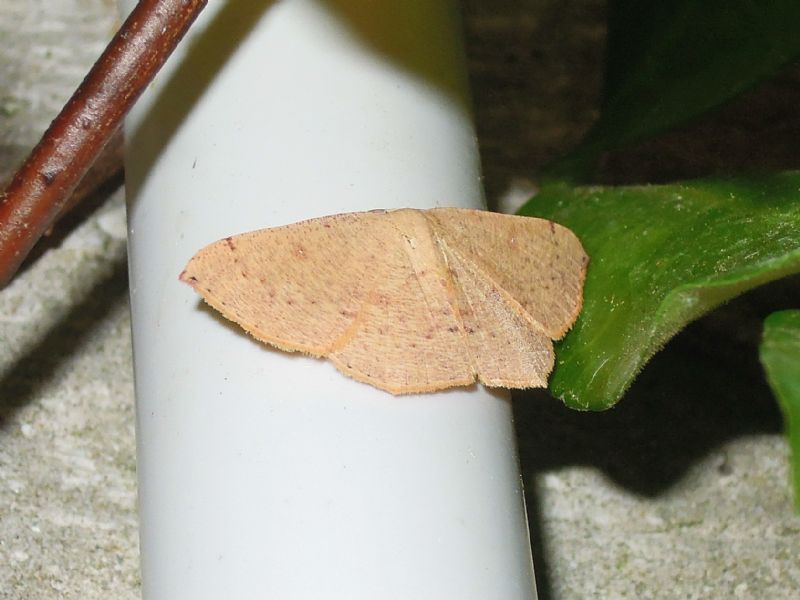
x=270, y=475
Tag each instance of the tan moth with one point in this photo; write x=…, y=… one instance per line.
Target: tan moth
x=406, y=300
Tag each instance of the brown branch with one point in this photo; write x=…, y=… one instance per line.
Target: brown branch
x=40, y=189
x=106, y=167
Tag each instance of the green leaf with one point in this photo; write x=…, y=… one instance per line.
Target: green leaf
x=672, y=60
x=780, y=355
x=661, y=256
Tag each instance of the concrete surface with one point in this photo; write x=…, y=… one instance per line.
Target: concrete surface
x=673, y=494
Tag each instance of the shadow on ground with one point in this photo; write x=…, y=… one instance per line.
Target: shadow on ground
x=33, y=369
x=704, y=389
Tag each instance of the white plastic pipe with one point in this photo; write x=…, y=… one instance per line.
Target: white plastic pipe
x=271, y=475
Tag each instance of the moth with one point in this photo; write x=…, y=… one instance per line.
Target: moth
x=407, y=300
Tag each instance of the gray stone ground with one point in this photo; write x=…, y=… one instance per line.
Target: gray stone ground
x=672, y=495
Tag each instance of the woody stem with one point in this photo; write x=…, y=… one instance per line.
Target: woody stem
x=55, y=167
